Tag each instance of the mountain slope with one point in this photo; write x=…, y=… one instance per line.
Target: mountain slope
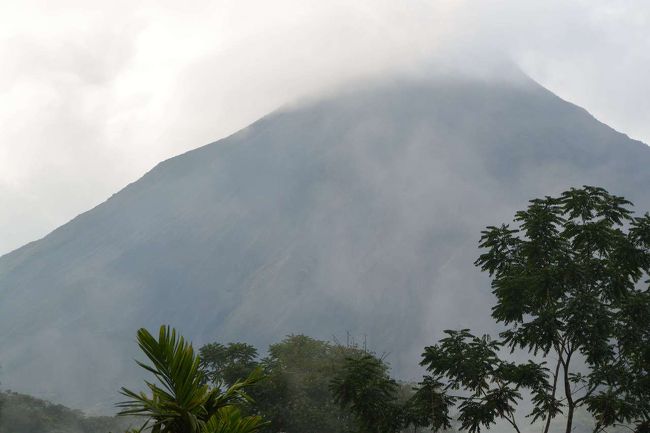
x=359, y=212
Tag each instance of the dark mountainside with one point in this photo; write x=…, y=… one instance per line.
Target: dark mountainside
x=358, y=212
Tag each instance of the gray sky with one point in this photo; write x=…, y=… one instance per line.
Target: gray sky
x=93, y=94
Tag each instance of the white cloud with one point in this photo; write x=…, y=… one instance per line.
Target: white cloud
x=92, y=94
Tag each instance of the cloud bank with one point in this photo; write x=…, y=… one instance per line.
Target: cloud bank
x=93, y=94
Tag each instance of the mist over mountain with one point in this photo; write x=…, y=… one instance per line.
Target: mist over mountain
x=357, y=212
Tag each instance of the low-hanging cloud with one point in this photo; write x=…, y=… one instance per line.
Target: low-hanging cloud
x=92, y=94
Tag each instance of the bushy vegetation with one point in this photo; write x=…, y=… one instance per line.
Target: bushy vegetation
x=295, y=395
x=316, y=386
x=21, y=413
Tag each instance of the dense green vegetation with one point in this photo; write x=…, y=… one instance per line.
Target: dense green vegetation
x=316, y=386
x=302, y=385
x=295, y=396
x=21, y=413
x=180, y=401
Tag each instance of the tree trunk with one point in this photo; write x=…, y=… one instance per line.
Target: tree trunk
x=555, y=376
x=567, y=391
x=569, y=419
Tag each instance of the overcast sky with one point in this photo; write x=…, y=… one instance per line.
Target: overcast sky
x=93, y=94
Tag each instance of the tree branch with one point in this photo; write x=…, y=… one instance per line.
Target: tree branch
x=512, y=422
x=582, y=399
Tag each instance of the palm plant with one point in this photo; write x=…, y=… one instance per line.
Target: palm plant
x=181, y=402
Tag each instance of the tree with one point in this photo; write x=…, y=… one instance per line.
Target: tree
x=427, y=406
x=295, y=394
x=364, y=387
x=568, y=279
x=181, y=402
x=226, y=364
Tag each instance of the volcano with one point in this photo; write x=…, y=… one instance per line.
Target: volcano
x=357, y=212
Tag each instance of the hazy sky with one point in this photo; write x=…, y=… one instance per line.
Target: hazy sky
x=93, y=94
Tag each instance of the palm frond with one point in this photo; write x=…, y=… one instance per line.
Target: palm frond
x=181, y=402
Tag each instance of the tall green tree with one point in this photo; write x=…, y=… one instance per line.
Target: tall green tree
x=364, y=387
x=568, y=277
x=427, y=406
x=226, y=364
x=180, y=401
x=297, y=396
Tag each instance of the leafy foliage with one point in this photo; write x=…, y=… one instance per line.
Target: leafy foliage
x=472, y=364
x=569, y=286
x=364, y=386
x=295, y=395
x=226, y=364
x=428, y=406
x=181, y=402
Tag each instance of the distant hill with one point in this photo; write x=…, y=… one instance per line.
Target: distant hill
x=21, y=413
x=357, y=212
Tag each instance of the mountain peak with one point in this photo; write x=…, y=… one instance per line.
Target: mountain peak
x=358, y=211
